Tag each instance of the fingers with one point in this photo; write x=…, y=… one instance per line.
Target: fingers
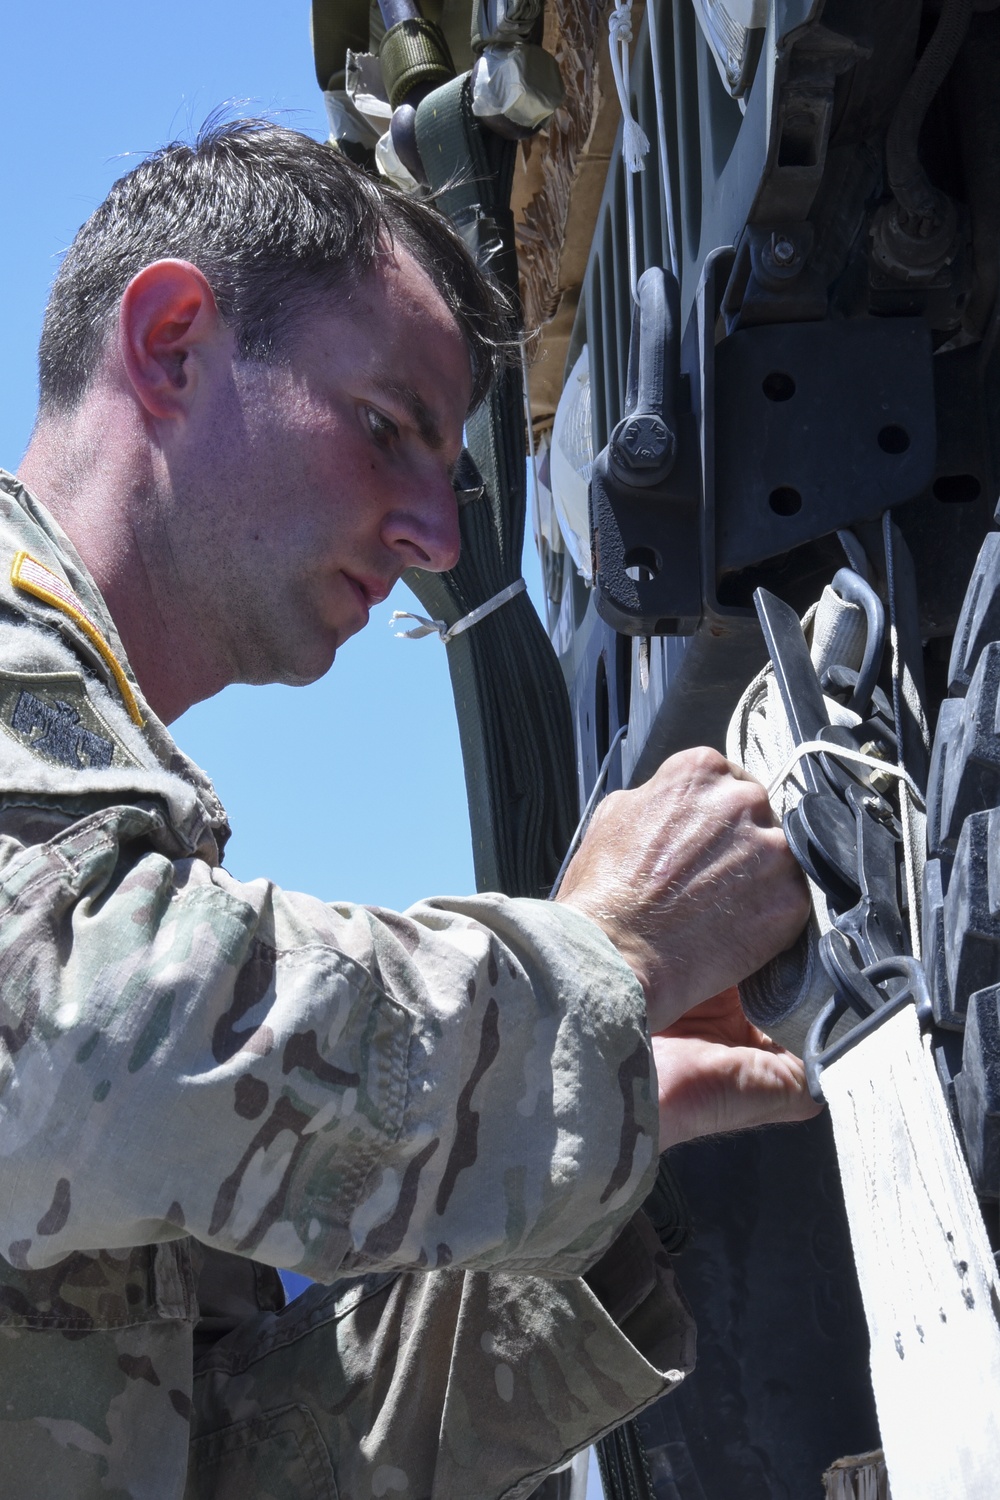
x=719, y=1019
x=706, y=1088
x=693, y=880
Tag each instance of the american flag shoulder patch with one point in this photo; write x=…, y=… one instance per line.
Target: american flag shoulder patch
x=34, y=578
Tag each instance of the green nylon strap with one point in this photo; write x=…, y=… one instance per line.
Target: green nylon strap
x=510, y=696
x=452, y=16
x=472, y=172
x=339, y=25
x=413, y=52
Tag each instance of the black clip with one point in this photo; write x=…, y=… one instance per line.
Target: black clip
x=818, y=1055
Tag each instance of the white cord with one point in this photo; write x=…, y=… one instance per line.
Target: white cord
x=526, y=392
x=661, y=135
x=854, y=757
x=441, y=628
x=587, y=811
x=635, y=142
x=909, y=853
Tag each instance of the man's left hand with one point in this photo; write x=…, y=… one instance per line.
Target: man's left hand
x=716, y=1072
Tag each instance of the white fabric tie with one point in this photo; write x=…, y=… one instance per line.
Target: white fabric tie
x=852, y=757
x=424, y=626
x=635, y=142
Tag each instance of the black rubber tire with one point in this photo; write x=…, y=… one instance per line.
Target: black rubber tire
x=962, y=883
x=781, y=1387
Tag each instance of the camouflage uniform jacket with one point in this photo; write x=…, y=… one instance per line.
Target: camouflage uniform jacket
x=192, y=1067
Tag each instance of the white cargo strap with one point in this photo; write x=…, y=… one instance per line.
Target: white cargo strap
x=927, y=1274
x=849, y=757
x=912, y=823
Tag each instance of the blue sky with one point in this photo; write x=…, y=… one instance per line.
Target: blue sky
x=353, y=788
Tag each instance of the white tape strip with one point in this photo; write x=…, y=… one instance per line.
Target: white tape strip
x=426, y=626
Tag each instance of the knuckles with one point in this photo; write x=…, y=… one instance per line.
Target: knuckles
x=704, y=758
x=696, y=794
x=701, y=761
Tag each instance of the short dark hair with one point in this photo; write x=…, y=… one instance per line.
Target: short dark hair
x=273, y=219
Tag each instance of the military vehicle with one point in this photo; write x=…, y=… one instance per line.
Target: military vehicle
x=756, y=248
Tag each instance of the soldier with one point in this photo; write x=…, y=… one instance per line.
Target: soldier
x=255, y=370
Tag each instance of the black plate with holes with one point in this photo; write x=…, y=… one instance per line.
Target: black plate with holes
x=817, y=425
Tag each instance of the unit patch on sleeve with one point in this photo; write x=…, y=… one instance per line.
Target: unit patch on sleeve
x=50, y=714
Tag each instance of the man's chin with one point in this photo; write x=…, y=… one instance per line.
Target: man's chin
x=301, y=675
x=302, y=669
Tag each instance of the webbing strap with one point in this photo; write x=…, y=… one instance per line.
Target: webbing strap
x=621, y=1457
x=925, y=1267
x=510, y=696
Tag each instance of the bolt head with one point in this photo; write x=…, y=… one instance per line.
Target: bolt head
x=879, y=781
x=783, y=250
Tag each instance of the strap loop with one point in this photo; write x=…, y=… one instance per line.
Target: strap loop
x=414, y=52
x=441, y=628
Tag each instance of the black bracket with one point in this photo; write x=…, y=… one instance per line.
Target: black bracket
x=818, y=426
x=797, y=430
x=645, y=494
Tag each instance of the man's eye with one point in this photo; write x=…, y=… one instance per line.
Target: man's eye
x=382, y=429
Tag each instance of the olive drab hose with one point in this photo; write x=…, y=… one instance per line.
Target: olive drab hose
x=510, y=696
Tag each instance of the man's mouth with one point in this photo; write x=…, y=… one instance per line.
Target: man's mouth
x=370, y=591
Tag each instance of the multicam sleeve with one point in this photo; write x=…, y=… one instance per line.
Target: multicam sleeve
x=328, y=1088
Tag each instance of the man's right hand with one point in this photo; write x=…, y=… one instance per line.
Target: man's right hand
x=691, y=879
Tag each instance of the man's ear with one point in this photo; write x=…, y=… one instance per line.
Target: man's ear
x=168, y=322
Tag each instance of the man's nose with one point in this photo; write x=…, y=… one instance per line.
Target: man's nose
x=424, y=531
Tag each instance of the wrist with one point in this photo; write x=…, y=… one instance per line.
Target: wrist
x=631, y=947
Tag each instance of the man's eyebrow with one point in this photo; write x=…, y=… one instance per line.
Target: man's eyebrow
x=417, y=408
